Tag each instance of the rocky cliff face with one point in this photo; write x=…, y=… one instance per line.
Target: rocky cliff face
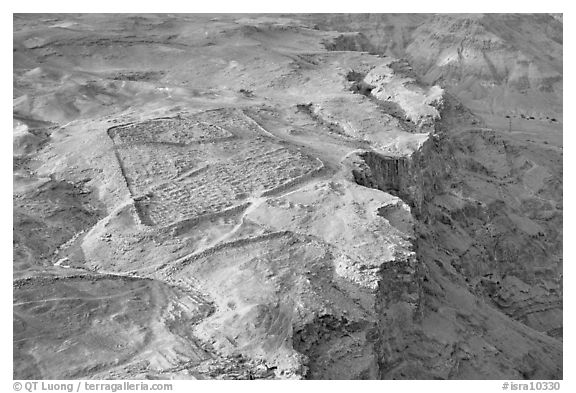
x=483, y=249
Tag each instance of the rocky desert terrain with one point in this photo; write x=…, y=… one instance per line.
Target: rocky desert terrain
x=297, y=196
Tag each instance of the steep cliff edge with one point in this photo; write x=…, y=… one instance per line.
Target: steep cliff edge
x=484, y=260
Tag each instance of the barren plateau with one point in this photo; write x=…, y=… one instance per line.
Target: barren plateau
x=299, y=196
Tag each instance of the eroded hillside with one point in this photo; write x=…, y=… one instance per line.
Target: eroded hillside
x=250, y=197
